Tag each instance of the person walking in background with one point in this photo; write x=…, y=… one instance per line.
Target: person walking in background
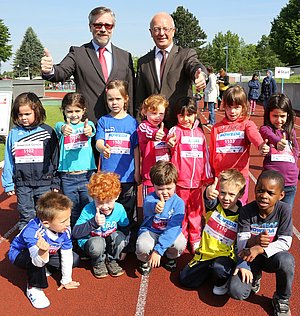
x=93, y=64
x=268, y=87
x=76, y=158
x=168, y=69
x=211, y=95
x=31, y=156
x=223, y=82
x=253, y=94
x=279, y=130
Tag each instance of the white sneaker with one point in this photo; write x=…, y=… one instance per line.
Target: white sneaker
x=48, y=273
x=37, y=297
x=221, y=290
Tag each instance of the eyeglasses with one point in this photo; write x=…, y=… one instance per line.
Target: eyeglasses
x=98, y=26
x=166, y=30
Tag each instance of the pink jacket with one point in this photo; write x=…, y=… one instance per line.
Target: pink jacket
x=151, y=150
x=190, y=156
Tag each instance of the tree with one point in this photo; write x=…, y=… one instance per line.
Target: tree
x=285, y=33
x=188, y=31
x=5, y=50
x=28, y=56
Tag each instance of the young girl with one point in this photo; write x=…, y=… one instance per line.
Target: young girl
x=231, y=138
x=253, y=94
x=152, y=137
x=31, y=156
x=279, y=130
x=117, y=141
x=76, y=159
x=190, y=156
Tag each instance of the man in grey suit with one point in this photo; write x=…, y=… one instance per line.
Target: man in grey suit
x=85, y=65
x=172, y=75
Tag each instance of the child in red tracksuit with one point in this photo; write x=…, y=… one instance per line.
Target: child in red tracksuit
x=190, y=156
x=231, y=138
x=152, y=137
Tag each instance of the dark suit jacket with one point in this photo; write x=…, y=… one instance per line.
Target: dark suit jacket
x=82, y=62
x=177, y=80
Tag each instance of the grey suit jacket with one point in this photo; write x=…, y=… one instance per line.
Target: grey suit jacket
x=177, y=80
x=82, y=62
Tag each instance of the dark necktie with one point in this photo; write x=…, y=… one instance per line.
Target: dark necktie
x=103, y=62
x=162, y=64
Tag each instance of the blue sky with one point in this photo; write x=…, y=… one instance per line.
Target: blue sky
x=61, y=24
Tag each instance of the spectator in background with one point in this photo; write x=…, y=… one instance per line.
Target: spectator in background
x=223, y=82
x=211, y=95
x=253, y=94
x=268, y=87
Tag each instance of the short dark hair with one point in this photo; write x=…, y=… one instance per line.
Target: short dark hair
x=100, y=11
x=274, y=175
x=74, y=99
x=163, y=172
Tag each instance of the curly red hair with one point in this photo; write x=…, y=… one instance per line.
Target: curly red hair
x=104, y=186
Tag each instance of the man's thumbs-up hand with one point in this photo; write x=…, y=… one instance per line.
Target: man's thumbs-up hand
x=160, y=133
x=46, y=62
x=211, y=191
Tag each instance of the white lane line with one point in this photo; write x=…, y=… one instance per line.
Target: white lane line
x=141, y=302
x=6, y=235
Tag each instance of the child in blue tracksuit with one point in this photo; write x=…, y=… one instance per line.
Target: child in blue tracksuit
x=31, y=156
x=161, y=231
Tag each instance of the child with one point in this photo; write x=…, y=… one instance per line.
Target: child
x=160, y=233
x=190, y=156
x=76, y=159
x=103, y=226
x=253, y=94
x=45, y=243
x=264, y=238
x=231, y=138
x=31, y=156
x=279, y=130
x=216, y=255
x=117, y=141
x=152, y=137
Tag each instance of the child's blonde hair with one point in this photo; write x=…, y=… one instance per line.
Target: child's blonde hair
x=152, y=103
x=233, y=177
x=236, y=95
x=104, y=186
x=50, y=204
x=122, y=86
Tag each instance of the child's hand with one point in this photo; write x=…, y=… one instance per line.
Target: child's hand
x=247, y=276
x=264, y=148
x=211, y=191
x=87, y=129
x=282, y=143
x=99, y=218
x=160, y=205
x=263, y=239
x=249, y=254
x=42, y=245
x=10, y=193
x=160, y=133
x=172, y=140
x=70, y=285
x=67, y=129
x=154, y=260
x=106, y=151
x=137, y=177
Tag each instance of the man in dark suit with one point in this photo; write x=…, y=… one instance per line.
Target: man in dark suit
x=85, y=64
x=172, y=75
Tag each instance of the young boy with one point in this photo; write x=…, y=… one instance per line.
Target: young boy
x=160, y=232
x=45, y=243
x=264, y=238
x=215, y=256
x=102, y=229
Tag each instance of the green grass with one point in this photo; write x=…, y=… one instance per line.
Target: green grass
x=53, y=115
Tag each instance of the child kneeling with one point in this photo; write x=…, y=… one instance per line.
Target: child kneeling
x=102, y=229
x=45, y=243
x=161, y=230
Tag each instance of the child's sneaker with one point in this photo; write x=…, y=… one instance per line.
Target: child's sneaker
x=256, y=285
x=37, y=297
x=114, y=269
x=144, y=268
x=221, y=290
x=100, y=270
x=48, y=272
x=281, y=306
x=170, y=265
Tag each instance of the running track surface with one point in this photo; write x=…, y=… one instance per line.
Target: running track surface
x=132, y=294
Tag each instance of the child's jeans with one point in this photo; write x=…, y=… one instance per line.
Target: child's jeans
x=37, y=275
x=282, y=264
x=147, y=241
x=110, y=248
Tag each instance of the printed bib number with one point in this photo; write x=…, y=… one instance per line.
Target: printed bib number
x=28, y=152
x=284, y=155
x=75, y=141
